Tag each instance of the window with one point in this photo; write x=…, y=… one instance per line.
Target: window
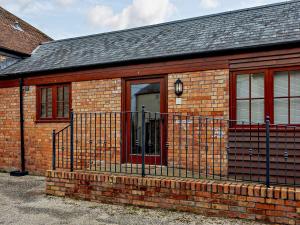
x=63, y=102
x=250, y=97
x=287, y=97
x=272, y=92
x=46, y=103
x=53, y=102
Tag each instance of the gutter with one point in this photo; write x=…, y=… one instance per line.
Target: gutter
x=21, y=172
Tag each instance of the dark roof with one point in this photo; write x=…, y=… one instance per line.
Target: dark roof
x=18, y=36
x=266, y=25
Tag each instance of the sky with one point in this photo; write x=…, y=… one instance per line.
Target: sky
x=61, y=19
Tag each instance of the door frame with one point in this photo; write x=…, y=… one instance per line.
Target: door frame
x=125, y=124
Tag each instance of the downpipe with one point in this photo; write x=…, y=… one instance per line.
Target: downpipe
x=21, y=172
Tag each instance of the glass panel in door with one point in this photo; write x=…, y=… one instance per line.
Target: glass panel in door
x=148, y=95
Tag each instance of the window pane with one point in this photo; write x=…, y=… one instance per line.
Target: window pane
x=43, y=110
x=257, y=86
x=46, y=102
x=49, y=112
x=60, y=101
x=242, y=111
x=295, y=110
x=66, y=110
x=49, y=102
x=281, y=111
x=44, y=95
x=63, y=102
x=295, y=83
x=43, y=102
x=66, y=94
x=60, y=108
x=49, y=94
x=60, y=92
x=281, y=85
x=242, y=86
x=257, y=110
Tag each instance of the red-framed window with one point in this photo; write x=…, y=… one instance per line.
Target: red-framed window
x=269, y=92
x=286, y=97
x=53, y=103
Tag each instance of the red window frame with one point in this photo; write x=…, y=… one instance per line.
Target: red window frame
x=233, y=94
x=269, y=92
x=54, y=117
x=272, y=74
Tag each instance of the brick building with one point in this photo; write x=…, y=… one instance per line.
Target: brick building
x=207, y=84
x=17, y=41
x=17, y=38
x=215, y=57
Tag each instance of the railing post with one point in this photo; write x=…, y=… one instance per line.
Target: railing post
x=53, y=150
x=268, y=151
x=143, y=141
x=72, y=141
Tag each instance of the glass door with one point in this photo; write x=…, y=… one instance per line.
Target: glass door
x=149, y=93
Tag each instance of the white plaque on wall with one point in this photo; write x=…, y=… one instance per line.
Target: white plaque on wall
x=178, y=101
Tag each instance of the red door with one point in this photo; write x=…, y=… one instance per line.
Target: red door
x=150, y=93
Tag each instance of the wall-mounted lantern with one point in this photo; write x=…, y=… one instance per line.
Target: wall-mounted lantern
x=178, y=87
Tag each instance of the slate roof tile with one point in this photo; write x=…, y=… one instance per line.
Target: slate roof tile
x=271, y=24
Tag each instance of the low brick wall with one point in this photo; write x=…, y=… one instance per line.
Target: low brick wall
x=248, y=201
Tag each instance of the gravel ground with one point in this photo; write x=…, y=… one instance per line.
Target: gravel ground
x=23, y=202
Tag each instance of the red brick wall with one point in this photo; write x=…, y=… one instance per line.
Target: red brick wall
x=37, y=136
x=205, y=93
x=87, y=96
x=97, y=96
x=9, y=129
x=247, y=201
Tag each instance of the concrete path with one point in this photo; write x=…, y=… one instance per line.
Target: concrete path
x=23, y=202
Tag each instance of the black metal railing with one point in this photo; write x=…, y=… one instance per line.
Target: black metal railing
x=179, y=145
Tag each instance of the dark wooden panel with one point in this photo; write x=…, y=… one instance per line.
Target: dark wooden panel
x=9, y=83
x=150, y=69
x=278, y=59
x=247, y=155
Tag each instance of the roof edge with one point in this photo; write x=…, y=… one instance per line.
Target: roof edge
x=14, y=52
